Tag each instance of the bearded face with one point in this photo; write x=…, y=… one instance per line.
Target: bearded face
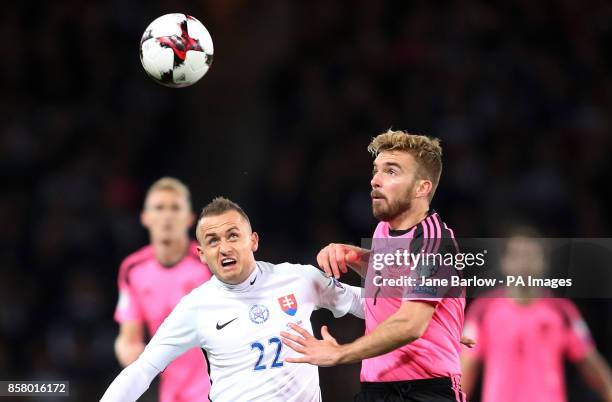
x=393, y=184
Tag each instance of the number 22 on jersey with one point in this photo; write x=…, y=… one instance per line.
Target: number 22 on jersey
x=261, y=348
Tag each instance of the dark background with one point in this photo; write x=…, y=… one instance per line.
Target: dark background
x=519, y=92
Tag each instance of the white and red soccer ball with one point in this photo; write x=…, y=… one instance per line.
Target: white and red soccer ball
x=176, y=50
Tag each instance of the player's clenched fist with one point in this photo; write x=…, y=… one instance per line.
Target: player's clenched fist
x=335, y=258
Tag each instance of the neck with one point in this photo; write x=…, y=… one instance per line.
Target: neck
x=170, y=252
x=409, y=218
x=524, y=295
x=240, y=284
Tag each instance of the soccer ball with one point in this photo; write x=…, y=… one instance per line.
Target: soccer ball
x=176, y=50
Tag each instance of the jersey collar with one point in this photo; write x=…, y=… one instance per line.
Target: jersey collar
x=401, y=232
x=243, y=286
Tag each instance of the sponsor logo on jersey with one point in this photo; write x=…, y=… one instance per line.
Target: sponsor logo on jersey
x=259, y=313
x=288, y=304
x=221, y=326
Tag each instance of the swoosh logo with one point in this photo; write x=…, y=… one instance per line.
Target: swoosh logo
x=221, y=326
x=253, y=281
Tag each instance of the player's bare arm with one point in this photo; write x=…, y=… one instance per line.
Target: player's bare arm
x=335, y=258
x=130, y=342
x=597, y=373
x=406, y=325
x=469, y=367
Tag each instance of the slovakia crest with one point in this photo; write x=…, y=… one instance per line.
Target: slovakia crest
x=288, y=304
x=259, y=313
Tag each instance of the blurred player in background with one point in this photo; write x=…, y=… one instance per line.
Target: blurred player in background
x=153, y=280
x=237, y=316
x=411, y=348
x=522, y=336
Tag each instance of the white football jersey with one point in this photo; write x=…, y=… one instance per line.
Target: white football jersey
x=238, y=327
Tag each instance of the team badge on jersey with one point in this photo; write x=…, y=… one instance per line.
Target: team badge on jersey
x=288, y=304
x=259, y=313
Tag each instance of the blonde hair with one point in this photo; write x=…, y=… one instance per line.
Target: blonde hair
x=426, y=151
x=170, y=184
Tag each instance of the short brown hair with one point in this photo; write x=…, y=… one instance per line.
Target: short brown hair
x=170, y=184
x=426, y=151
x=220, y=205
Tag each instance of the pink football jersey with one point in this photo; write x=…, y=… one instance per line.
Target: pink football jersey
x=437, y=352
x=523, y=346
x=148, y=292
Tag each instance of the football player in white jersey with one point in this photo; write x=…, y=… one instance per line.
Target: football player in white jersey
x=237, y=316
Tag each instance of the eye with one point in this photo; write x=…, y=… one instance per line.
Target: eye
x=391, y=171
x=233, y=236
x=213, y=241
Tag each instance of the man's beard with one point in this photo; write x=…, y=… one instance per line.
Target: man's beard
x=389, y=210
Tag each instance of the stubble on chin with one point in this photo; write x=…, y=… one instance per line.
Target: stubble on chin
x=388, y=211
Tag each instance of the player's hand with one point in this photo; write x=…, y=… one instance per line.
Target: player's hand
x=334, y=257
x=469, y=342
x=320, y=352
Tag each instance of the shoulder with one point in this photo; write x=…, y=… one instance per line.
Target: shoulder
x=482, y=306
x=199, y=296
x=565, y=308
x=135, y=259
x=433, y=227
x=382, y=228
x=291, y=269
x=142, y=254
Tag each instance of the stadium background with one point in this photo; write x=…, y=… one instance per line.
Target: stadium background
x=520, y=93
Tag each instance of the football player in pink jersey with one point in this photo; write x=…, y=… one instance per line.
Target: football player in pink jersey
x=153, y=280
x=411, y=348
x=523, y=336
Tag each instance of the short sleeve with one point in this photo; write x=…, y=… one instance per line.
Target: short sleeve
x=431, y=264
x=335, y=296
x=128, y=307
x=578, y=337
x=177, y=334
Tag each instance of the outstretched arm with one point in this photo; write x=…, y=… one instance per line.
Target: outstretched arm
x=131, y=383
x=177, y=334
x=404, y=326
x=335, y=258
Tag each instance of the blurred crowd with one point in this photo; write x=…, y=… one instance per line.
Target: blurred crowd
x=519, y=92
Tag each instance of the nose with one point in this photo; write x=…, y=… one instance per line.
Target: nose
x=375, y=182
x=224, y=247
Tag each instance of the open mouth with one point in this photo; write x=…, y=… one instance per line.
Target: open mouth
x=228, y=262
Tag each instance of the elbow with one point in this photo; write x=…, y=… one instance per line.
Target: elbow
x=419, y=331
x=414, y=330
x=127, y=352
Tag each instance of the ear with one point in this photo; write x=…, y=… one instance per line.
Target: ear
x=192, y=219
x=423, y=189
x=201, y=254
x=254, y=241
x=144, y=219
